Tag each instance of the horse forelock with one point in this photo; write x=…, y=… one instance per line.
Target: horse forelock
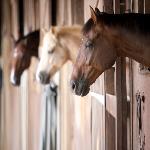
x=49, y=41
x=87, y=26
x=33, y=34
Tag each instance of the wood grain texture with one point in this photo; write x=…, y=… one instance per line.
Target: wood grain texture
x=10, y=102
x=121, y=128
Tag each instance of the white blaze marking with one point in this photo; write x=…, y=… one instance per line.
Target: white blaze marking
x=12, y=74
x=49, y=42
x=15, y=54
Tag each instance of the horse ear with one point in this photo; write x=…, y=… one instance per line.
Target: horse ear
x=97, y=11
x=44, y=31
x=52, y=30
x=93, y=15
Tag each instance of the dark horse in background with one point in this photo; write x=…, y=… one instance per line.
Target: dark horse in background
x=24, y=49
x=106, y=37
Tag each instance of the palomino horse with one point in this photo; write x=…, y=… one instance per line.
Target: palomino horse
x=25, y=48
x=106, y=37
x=60, y=44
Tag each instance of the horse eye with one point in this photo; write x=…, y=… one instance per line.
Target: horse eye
x=50, y=51
x=89, y=44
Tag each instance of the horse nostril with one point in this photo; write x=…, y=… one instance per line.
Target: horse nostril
x=41, y=76
x=73, y=85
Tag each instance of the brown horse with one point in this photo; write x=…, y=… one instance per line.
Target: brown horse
x=25, y=48
x=106, y=37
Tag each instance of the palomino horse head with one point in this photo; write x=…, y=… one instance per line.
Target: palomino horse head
x=52, y=56
x=95, y=55
x=24, y=49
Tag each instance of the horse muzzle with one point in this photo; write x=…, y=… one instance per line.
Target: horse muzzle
x=15, y=80
x=80, y=88
x=43, y=77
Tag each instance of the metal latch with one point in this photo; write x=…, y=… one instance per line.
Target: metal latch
x=140, y=98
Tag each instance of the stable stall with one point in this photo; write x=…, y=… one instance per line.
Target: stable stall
x=113, y=116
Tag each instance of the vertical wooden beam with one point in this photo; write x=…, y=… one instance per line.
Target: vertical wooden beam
x=121, y=120
x=138, y=6
x=31, y=115
x=111, y=6
x=77, y=7
x=10, y=102
x=146, y=6
x=128, y=6
x=141, y=6
x=108, y=6
x=121, y=104
x=45, y=14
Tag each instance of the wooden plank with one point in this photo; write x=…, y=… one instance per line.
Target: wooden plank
x=109, y=81
x=108, y=6
x=10, y=102
x=45, y=10
x=110, y=131
x=111, y=105
x=138, y=6
x=77, y=6
x=131, y=102
x=75, y=111
x=32, y=102
x=110, y=122
x=140, y=83
x=121, y=128
x=64, y=102
x=82, y=106
x=97, y=122
x=98, y=125
x=146, y=6
x=128, y=6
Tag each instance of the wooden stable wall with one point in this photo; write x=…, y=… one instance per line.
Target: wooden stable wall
x=75, y=112
x=10, y=102
x=141, y=85
x=103, y=120
x=107, y=120
x=20, y=106
x=95, y=121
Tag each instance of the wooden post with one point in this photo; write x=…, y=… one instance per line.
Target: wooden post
x=10, y=102
x=121, y=104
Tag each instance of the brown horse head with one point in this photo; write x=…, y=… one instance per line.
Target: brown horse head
x=24, y=49
x=95, y=55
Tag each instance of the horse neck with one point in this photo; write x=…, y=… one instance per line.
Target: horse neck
x=33, y=43
x=70, y=38
x=130, y=34
x=132, y=45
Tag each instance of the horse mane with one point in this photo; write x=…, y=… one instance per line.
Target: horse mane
x=134, y=22
x=67, y=29
x=33, y=34
x=87, y=26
